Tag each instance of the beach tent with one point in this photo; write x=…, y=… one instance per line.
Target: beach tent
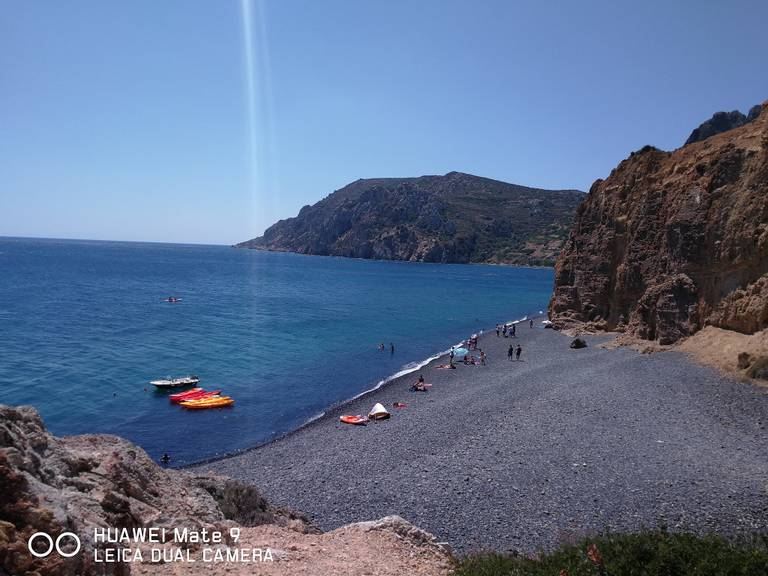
x=378, y=412
x=461, y=352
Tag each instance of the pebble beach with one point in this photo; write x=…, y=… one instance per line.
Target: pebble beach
x=520, y=456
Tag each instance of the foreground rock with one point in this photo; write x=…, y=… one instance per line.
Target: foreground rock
x=452, y=218
x=673, y=241
x=387, y=547
x=75, y=484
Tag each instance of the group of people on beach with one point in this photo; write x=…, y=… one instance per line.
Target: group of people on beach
x=509, y=330
x=513, y=353
x=506, y=330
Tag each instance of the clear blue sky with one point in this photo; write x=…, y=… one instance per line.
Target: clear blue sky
x=132, y=120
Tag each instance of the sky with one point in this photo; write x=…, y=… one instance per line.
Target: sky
x=207, y=121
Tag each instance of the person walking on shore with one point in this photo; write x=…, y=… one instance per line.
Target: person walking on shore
x=511, y=351
x=450, y=357
x=514, y=330
x=531, y=322
x=482, y=357
x=498, y=331
x=504, y=331
x=518, y=352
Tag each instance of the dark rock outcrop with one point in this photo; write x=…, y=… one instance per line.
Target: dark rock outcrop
x=672, y=241
x=78, y=483
x=452, y=218
x=578, y=343
x=721, y=122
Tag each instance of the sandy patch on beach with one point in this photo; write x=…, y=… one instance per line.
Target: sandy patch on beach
x=721, y=348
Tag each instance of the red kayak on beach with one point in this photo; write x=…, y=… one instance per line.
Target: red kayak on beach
x=193, y=395
x=357, y=420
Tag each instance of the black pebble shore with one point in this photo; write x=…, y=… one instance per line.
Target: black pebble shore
x=525, y=455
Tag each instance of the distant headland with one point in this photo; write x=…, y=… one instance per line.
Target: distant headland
x=455, y=218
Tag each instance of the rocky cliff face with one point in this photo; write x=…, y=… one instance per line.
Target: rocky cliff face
x=78, y=483
x=452, y=218
x=672, y=241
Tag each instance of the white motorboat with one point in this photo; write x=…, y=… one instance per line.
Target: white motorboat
x=175, y=382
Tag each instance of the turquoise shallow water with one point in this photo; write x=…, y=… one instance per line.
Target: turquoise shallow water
x=83, y=328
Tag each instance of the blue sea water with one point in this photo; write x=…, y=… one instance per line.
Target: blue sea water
x=84, y=328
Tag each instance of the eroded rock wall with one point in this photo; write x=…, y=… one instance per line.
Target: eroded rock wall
x=672, y=241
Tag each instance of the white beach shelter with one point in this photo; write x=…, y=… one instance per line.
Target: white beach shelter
x=378, y=412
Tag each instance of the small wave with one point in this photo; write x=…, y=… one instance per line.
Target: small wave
x=313, y=418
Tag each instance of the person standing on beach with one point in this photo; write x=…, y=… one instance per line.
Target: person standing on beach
x=504, y=331
x=518, y=352
x=511, y=351
x=482, y=357
x=514, y=330
x=450, y=357
x=531, y=322
x=498, y=332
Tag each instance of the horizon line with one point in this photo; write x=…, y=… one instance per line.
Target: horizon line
x=73, y=239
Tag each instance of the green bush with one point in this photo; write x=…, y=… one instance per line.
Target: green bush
x=657, y=553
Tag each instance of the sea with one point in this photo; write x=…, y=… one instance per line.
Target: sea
x=84, y=327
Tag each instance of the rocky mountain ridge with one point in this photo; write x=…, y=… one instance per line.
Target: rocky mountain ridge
x=722, y=122
x=673, y=241
x=456, y=218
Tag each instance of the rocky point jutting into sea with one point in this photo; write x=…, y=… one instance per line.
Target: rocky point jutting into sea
x=674, y=241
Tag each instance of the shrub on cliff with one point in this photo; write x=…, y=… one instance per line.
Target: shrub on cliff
x=245, y=505
x=656, y=553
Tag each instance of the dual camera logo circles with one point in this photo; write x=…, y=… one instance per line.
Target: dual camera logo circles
x=51, y=544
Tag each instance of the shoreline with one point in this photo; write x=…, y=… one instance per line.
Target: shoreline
x=335, y=407
x=508, y=264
